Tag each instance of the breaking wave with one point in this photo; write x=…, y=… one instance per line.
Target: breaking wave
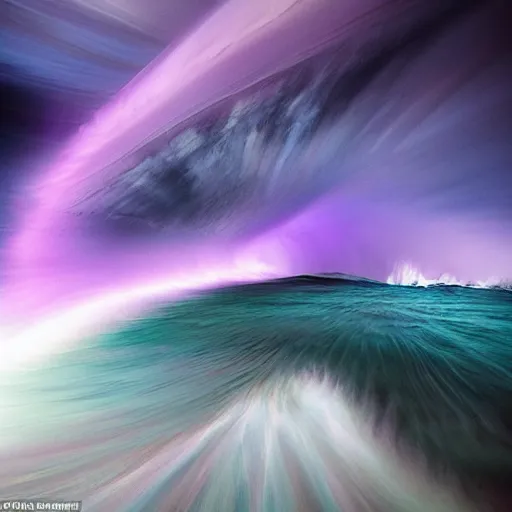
x=407, y=275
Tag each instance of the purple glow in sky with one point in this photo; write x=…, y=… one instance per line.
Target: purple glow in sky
x=419, y=165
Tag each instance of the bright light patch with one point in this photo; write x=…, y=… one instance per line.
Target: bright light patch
x=53, y=332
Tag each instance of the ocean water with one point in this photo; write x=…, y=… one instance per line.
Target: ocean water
x=308, y=393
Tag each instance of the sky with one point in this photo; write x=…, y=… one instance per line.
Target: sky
x=419, y=163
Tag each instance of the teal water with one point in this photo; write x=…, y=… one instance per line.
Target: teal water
x=202, y=404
